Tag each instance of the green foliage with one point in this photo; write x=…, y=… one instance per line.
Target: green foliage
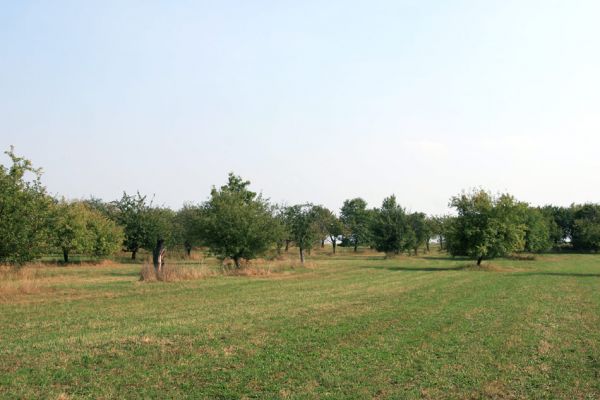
x=188, y=226
x=561, y=221
x=326, y=222
x=391, y=232
x=162, y=226
x=335, y=230
x=302, y=222
x=69, y=228
x=107, y=209
x=356, y=219
x=486, y=227
x=144, y=224
x=24, y=211
x=586, y=227
x=438, y=228
x=237, y=223
x=537, y=230
x=281, y=231
x=107, y=235
x=132, y=215
x=76, y=228
x=420, y=229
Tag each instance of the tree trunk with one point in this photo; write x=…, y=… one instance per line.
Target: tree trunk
x=479, y=260
x=416, y=251
x=236, y=260
x=427, y=245
x=66, y=255
x=301, y=255
x=355, y=246
x=322, y=243
x=334, y=244
x=188, y=248
x=133, y=253
x=287, y=245
x=158, y=255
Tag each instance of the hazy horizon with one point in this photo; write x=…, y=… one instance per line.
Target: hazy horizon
x=311, y=102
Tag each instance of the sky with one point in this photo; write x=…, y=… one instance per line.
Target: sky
x=312, y=101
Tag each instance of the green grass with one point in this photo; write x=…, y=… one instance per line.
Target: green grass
x=348, y=327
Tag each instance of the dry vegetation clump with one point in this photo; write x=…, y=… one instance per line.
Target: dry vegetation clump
x=263, y=267
x=173, y=273
x=15, y=280
x=257, y=267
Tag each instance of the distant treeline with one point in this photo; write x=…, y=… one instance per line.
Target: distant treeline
x=239, y=224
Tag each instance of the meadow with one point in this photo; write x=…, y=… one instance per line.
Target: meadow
x=350, y=326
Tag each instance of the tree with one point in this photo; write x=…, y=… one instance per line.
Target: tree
x=162, y=232
x=329, y=226
x=438, y=227
x=107, y=209
x=107, y=235
x=390, y=228
x=237, y=223
x=420, y=227
x=355, y=217
x=189, y=226
x=486, y=226
x=302, y=224
x=586, y=227
x=281, y=232
x=70, y=228
x=24, y=211
x=78, y=228
x=537, y=230
x=132, y=213
x=561, y=221
x=335, y=229
x=322, y=218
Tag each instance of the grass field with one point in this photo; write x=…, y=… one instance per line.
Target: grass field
x=349, y=326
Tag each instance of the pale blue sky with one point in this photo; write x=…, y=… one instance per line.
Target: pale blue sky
x=311, y=100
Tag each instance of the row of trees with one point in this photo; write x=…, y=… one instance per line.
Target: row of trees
x=32, y=223
x=239, y=224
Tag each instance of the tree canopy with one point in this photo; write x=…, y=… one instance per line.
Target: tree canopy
x=390, y=229
x=236, y=222
x=24, y=211
x=356, y=219
x=303, y=227
x=486, y=226
x=76, y=228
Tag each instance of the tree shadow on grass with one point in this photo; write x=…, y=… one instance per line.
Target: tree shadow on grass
x=124, y=273
x=447, y=258
x=569, y=274
x=419, y=269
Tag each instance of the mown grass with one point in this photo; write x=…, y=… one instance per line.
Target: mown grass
x=350, y=326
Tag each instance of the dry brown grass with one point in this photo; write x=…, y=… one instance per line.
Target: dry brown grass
x=173, y=273
x=263, y=267
x=18, y=280
x=258, y=267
